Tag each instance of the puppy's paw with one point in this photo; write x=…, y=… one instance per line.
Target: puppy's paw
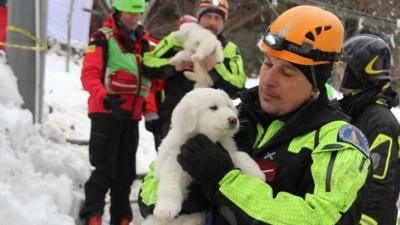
x=243, y=161
x=253, y=170
x=219, y=53
x=182, y=56
x=197, y=57
x=173, y=61
x=219, y=56
x=167, y=210
x=258, y=173
x=190, y=75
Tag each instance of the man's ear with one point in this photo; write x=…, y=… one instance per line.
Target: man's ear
x=184, y=117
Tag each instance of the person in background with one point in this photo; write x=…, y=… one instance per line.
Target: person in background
x=113, y=77
x=228, y=76
x=151, y=109
x=364, y=79
x=156, y=95
x=315, y=162
x=3, y=23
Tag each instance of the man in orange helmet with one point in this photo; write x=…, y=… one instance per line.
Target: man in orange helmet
x=315, y=163
x=228, y=75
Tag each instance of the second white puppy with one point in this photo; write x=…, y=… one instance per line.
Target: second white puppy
x=203, y=110
x=198, y=43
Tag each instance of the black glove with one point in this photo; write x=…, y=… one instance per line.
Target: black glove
x=151, y=122
x=195, y=201
x=204, y=161
x=113, y=104
x=151, y=125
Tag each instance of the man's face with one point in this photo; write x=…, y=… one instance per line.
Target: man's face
x=213, y=22
x=130, y=20
x=283, y=88
x=337, y=77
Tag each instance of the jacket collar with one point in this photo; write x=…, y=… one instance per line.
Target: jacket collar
x=222, y=39
x=308, y=117
x=354, y=105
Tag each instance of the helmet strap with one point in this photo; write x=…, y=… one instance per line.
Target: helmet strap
x=314, y=80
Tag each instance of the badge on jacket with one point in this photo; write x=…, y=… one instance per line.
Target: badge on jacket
x=351, y=134
x=91, y=49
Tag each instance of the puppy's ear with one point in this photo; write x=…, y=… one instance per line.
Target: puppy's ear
x=184, y=117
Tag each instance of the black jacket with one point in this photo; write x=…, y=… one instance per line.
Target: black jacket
x=370, y=111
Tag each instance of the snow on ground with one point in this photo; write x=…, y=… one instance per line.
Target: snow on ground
x=41, y=174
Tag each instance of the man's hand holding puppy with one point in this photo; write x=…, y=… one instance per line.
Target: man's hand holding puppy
x=208, y=63
x=205, y=161
x=184, y=66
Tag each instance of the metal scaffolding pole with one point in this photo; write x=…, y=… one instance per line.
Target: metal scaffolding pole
x=27, y=61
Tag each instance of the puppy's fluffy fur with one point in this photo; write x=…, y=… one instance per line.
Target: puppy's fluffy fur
x=198, y=43
x=203, y=110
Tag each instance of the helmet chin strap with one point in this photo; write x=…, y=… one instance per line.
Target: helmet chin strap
x=314, y=79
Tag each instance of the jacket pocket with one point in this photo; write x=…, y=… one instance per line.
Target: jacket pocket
x=121, y=82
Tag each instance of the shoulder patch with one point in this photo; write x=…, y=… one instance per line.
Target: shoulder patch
x=91, y=49
x=351, y=134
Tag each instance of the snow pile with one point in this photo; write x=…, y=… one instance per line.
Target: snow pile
x=40, y=175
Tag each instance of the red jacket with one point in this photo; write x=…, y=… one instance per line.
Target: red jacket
x=94, y=66
x=3, y=25
x=157, y=85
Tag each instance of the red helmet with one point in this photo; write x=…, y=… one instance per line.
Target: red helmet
x=185, y=19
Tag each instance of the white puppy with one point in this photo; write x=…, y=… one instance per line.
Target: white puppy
x=203, y=110
x=198, y=43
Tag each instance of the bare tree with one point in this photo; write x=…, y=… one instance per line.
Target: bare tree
x=248, y=19
x=69, y=25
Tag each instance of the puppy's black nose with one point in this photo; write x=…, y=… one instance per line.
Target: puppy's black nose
x=232, y=120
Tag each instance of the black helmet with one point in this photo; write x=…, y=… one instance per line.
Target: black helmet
x=368, y=62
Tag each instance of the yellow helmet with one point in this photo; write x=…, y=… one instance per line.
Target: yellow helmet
x=305, y=35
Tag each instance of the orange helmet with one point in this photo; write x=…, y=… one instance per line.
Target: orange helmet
x=216, y=6
x=305, y=35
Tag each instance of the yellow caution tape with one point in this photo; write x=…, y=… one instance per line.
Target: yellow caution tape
x=40, y=45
